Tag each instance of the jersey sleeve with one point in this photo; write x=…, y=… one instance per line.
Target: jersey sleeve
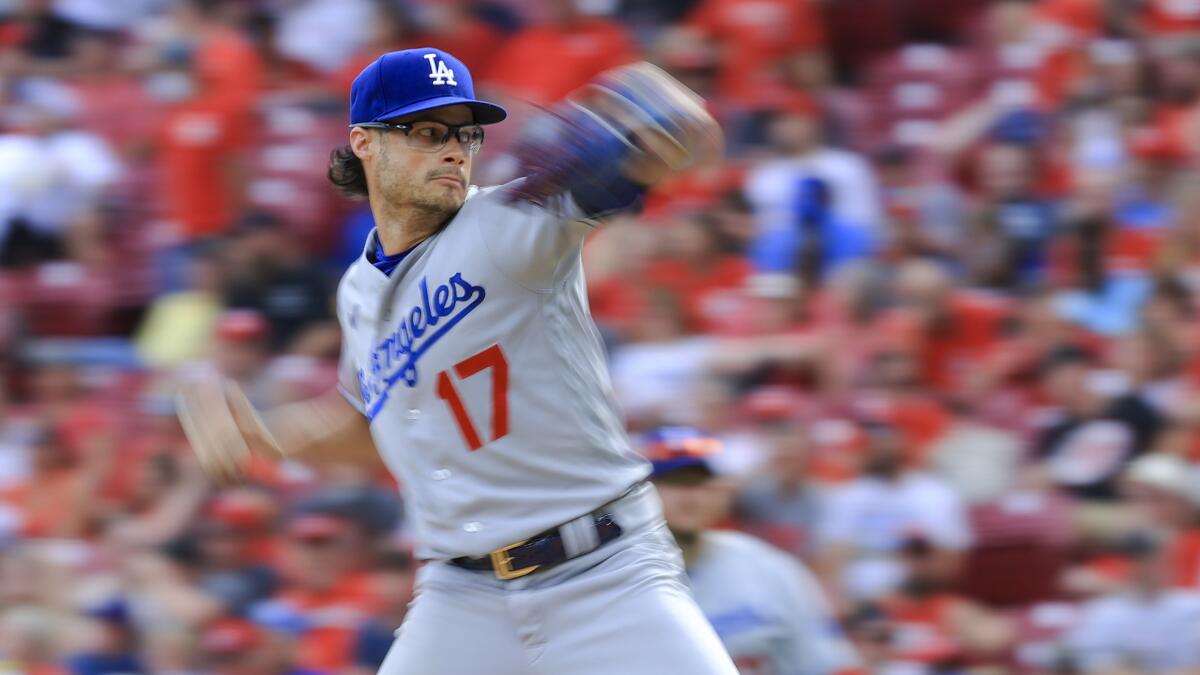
x=818, y=645
x=348, y=383
x=534, y=244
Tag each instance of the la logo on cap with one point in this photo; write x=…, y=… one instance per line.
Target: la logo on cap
x=439, y=72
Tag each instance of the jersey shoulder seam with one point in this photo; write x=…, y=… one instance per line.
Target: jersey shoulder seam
x=550, y=290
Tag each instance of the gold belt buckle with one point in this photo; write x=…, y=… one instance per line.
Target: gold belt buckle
x=502, y=563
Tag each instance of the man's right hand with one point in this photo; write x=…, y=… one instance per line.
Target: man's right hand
x=223, y=427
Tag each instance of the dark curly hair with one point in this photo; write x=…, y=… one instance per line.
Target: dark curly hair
x=346, y=172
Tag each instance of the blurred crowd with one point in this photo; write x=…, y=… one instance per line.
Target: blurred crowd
x=939, y=303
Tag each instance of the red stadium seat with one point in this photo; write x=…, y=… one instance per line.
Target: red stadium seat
x=64, y=299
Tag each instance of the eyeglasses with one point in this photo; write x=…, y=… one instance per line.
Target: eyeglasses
x=428, y=136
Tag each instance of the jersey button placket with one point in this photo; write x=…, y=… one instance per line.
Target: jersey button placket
x=473, y=527
x=440, y=474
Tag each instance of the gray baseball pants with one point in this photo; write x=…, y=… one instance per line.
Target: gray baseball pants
x=622, y=609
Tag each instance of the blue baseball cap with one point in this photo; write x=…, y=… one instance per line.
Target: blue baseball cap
x=673, y=448
x=408, y=81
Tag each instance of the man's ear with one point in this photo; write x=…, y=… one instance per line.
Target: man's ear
x=361, y=142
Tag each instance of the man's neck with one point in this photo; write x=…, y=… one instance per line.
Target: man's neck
x=401, y=229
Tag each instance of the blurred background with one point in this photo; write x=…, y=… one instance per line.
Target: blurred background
x=939, y=302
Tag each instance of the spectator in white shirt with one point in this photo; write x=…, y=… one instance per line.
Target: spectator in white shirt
x=53, y=175
x=864, y=523
x=1144, y=628
x=795, y=132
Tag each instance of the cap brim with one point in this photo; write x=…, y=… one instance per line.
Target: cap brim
x=485, y=113
x=668, y=465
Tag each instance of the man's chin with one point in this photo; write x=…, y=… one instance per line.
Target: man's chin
x=447, y=204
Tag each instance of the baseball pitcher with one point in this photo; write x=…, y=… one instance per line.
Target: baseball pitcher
x=471, y=365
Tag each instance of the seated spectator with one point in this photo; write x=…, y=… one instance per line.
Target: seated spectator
x=846, y=313
x=228, y=566
x=47, y=34
x=18, y=436
x=178, y=326
x=115, y=101
x=872, y=636
x=1154, y=366
x=1162, y=490
x=1092, y=438
x=240, y=351
x=1012, y=224
x=53, y=175
x=653, y=372
x=272, y=275
x=951, y=328
x=368, y=503
x=216, y=568
x=1145, y=627
x=701, y=270
x=781, y=501
x=816, y=244
x=57, y=498
x=864, y=523
x=153, y=498
x=799, y=149
x=933, y=627
x=892, y=391
x=1145, y=201
x=1102, y=272
x=1172, y=111
x=1169, y=313
x=325, y=584
x=927, y=217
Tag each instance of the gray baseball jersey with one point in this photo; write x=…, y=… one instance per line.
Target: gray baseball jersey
x=483, y=376
x=767, y=608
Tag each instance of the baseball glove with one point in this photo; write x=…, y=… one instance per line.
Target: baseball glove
x=635, y=121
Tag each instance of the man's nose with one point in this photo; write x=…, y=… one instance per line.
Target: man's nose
x=455, y=153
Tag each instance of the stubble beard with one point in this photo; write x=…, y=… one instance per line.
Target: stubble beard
x=427, y=200
x=434, y=199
